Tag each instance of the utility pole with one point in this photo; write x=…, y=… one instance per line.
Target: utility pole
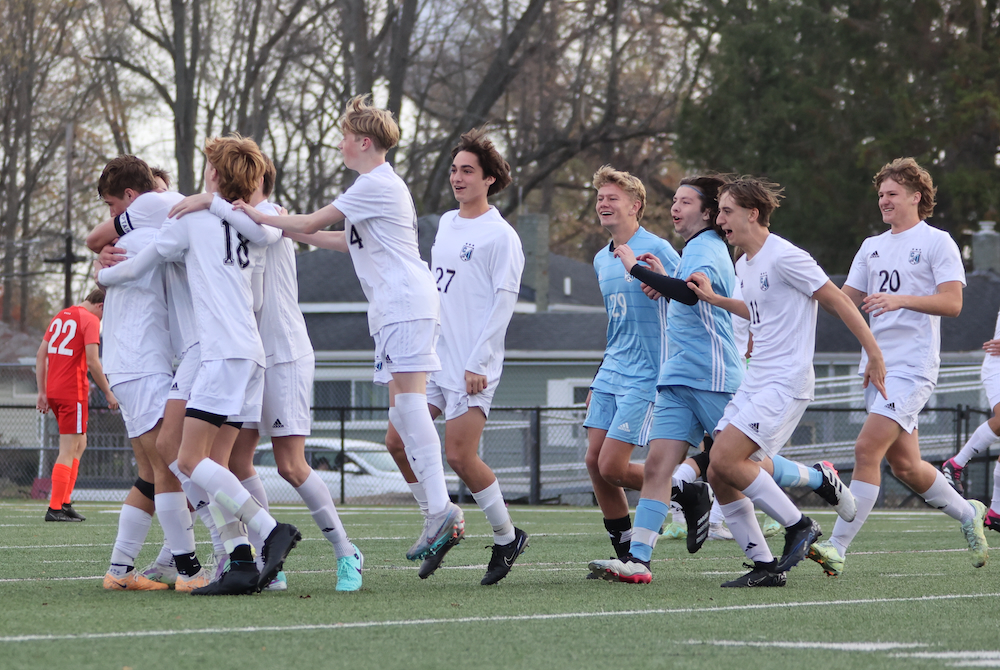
x=68, y=258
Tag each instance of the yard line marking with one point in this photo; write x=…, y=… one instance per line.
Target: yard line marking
x=832, y=646
x=491, y=619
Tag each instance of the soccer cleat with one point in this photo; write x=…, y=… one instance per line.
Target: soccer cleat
x=719, y=531
x=629, y=570
x=833, y=491
x=992, y=520
x=770, y=527
x=503, y=558
x=827, y=556
x=239, y=579
x=132, y=581
x=433, y=560
x=68, y=510
x=282, y=540
x=952, y=472
x=596, y=575
x=187, y=584
x=438, y=530
x=761, y=574
x=975, y=535
x=797, y=541
x=349, y=571
x=58, y=515
x=279, y=583
x=675, y=531
x=158, y=572
x=696, y=501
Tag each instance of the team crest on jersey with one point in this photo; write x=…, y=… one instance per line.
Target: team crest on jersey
x=764, y=285
x=467, y=250
x=914, y=256
x=628, y=277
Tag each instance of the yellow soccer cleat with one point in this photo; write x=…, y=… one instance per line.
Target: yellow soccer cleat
x=132, y=581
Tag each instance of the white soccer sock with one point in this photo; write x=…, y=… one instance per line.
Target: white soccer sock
x=716, y=515
x=196, y=495
x=165, y=557
x=979, y=441
x=419, y=495
x=742, y=522
x=766, y=494
x=995, y=503
x=317, y=498
x=256, y=489
x=178, y=529
x=228, y=492
x=422, y=445
x=844, y=532
x=684, y=473
x=941, y=496
x=490, y=500
x=133, y=525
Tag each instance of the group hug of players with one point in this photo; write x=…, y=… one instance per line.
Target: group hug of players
x=210, y=281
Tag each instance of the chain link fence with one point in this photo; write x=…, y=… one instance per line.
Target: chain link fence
x=536, y=452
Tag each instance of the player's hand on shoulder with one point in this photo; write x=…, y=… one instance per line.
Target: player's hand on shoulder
x=474, y=383
x=244, y=207
x=653, y=262
x=192, y=203
x=110, y=256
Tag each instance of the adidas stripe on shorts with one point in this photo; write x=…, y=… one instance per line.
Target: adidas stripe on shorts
x=287, y=398
x=627, y=418
x=768, y=417
x=907, y=396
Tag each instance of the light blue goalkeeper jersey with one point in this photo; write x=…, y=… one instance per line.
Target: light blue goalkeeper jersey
x=636, y=325
x=702, y=352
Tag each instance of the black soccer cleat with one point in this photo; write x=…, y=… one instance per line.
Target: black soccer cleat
x=240, y=579
x=952, y=472
x=58, y=515
x=503, y=558
x=833, y=491
x=433, y=560
x=278, y=544
x=696, y=502
x=68, y=510
x=761, y=574
x=797, y=541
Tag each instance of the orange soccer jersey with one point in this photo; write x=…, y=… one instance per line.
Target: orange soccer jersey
x=67, y=335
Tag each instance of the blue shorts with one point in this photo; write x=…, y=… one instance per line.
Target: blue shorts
x=686, y=414
x=627, y=418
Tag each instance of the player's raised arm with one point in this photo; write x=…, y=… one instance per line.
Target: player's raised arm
x=295, y=223
x=702, y=287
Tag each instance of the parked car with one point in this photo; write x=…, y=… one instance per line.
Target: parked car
x=366, y=469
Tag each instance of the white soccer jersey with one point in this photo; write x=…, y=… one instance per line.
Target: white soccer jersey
x=741, y=327
x=217, y=259
x=472, y=260
x=778, y=284
x=281, y=324
x=913, y=262
x=180, y=308
x=136, y=325
x=381, y=229
x=991, y=364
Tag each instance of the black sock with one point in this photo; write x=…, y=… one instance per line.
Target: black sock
x=241, y=553
x=187, y=564
x=620, y=532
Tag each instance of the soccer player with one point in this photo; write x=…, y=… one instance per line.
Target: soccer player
x=229, y=380
x=140, y=371
x=288, y=381
x=620, y=406
x=477, y=262
x=986, y=435
x=381, y=236
x=906, y=279
x=68, y=350
x=781, y=286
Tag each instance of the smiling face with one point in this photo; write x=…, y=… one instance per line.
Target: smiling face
x=615, y=207
x=898, y=204
x=468, y=183
x=687, y=212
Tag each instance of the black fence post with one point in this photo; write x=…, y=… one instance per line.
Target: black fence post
x=343, y=456
x=535, y=459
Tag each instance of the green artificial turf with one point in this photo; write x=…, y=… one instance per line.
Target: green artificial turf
x=908, y=598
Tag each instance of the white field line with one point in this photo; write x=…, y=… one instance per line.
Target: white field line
x=465, y=620
x=833, y=646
